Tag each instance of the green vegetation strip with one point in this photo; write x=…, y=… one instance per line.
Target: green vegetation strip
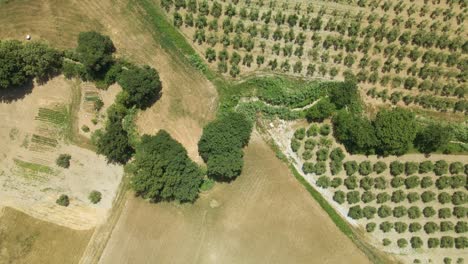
x=38, y=168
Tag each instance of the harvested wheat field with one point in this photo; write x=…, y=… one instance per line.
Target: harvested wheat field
x=265, y=216
x=24, y=239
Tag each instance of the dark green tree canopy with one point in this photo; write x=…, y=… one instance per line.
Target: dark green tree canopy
x=432, y=138
x=396, y=130
x=223, y=140
x=94, y=51
x=163, y=171
x=141, y=85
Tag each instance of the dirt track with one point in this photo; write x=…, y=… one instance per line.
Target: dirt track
x=265, y=216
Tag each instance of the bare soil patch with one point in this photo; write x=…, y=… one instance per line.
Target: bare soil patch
x=265, y=216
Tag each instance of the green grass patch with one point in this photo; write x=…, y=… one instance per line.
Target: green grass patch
x=207, y=185
x=44, y=140
x=33, y=167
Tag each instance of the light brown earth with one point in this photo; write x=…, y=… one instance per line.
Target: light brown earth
x=264, y=216
x=26, y=240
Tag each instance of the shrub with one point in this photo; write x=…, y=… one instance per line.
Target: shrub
x=431, y=227
x=426, y=166
x=63, y=160
x=355, y=212
x=350, y=167
x=369, y=212
x=398, y=196
x=443, y=182
x=411, y=168
x=414, y=227
x=440, y=167
x=433, y=242
x=445, y=213
x=335, y=167
x=397, y=182
x=459, y=198
x=352, y=197
x=461, y=227
x=370, y=227
x=325, y=130
x=399, y=211
x=366, y=183
x=429, y=211
x=386, y=242
x=414, y=212
x=416, y=242
x=413, y=197
x=322, y=154
x=447, y=260
x=379, y=167
x=310, y=144
x=312, y=131
x=426, y=182
x=446, y=226
x=351, y=182
x=446, y=242
x=386, y=226
x=396, y=168
x=380, y=183
x=384, y=211
x=428, y=196
x=320, y=168
x=339, y=197
x=336, y=182
x=337, y=154
x=400, y=227
x=320, y=111
x=95, y=197
x=63, y=200
x=402, y=243
x=412, y=182
x=456, y=167
x=461, y=242
x=295, y=145
x=307, y=155
x=367, y=197
x=383, y=197
x=365, y=168
x=300, y=133
x=459, y=211
x=85, y=128
x=444, y=198
x=458, y=181
x=308, y=167
x=323, y=182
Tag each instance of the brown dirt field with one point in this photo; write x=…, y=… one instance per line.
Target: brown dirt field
x=264, y=216
x=24, y=239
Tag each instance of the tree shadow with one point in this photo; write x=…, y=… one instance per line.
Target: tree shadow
x=13, y=94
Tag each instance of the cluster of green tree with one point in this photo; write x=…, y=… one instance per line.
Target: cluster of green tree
x=340, y=95
x=21, y=62
x=221, y=145
x=392, y=132
x=163, y=171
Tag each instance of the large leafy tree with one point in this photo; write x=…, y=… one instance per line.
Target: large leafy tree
x=396, y=130
x=321, y=110
x=141, y=86
x=355, y=132
x=21, y=62
x=221, y=145
x=94, y=51
x=432, y=137
x=344, y=94
x=113, y=143
x=163, y=170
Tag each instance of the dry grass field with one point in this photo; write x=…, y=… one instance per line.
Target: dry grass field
x=24, y=240
x=265, y=216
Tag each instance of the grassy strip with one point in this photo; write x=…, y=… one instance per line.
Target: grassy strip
x=34, y=167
